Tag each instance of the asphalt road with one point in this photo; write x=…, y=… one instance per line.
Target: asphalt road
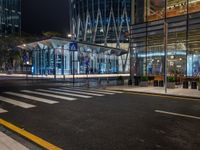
x=121, y=121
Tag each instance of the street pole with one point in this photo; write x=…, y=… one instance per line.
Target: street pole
x=55, y=53
x=73, y=67
x=165, y=55
x=87, y=76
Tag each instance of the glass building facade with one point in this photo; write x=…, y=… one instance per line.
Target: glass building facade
x=182, y=18
x=103, y=22
x=53, y=57
x=10, y=17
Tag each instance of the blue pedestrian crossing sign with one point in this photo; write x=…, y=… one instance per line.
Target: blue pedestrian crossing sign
x=73, y=46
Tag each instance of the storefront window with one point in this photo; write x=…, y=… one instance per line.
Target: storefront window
x=138, y=11
x=194, y=6
x=155, y=53
x=155, y=9
x=176, y=8
x=193, y=57
x=141, y=61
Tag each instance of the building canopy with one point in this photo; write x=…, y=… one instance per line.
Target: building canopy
x=55, y=43
x=53, y=56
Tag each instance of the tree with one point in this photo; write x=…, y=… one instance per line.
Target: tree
x=10, y=55
x=50, y=34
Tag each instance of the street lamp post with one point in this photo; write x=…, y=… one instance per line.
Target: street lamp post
x=73, y=67
x=72, y=36
x=165, y=48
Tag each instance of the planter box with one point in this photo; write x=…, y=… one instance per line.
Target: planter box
x=144, y=83
x=171, y=85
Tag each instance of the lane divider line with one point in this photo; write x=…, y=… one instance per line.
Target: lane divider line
x=177, y=114
x=35, y=139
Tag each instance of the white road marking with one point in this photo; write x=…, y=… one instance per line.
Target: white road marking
x=58, y=91
x=117, y=92
x=92, y=91
x=176, y=114
x=32, y=98
x=16, y=103
x=7, y=143
x=79, y=92
x=49, y=95
x=101, y=90
x=3, y=110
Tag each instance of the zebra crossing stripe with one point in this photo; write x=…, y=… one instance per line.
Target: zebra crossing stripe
x=117, y=92
x=57, y=91
x=32, y=98
x=79, y=92
x=100, y=90
x=92, y=91
x=7, y=143
x=49, y=95
x=16, y=103
x=3, y=110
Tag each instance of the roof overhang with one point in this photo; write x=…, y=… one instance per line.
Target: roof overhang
x=56, y=42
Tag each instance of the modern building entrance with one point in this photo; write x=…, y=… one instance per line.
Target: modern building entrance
x=53, y=57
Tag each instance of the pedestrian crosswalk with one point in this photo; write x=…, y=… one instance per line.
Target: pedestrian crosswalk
x=49, y=95
x=3, y=110
x=16, y=102
x=25, y=98
x=62, y=93
x=32, y=97
x=80, y=92
x=93, y=91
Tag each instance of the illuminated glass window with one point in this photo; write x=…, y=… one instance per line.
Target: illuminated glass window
x=155, y=9
x=194, y=6
x=176, y=7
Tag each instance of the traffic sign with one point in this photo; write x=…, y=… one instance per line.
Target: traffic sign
x=73, y=46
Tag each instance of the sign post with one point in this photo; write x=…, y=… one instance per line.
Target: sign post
x=73, y=46
x=87, y=71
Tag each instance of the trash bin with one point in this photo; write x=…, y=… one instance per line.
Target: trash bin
x=161, y=83
x=155, y=83
x=193, y=85
x=185, y=84
x=137, y=81
x=130, y=82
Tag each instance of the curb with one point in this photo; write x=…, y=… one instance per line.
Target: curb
x=158, y=94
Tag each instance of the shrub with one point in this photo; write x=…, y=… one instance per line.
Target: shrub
x=171, y=79
x=119, y=78
x=144, y=78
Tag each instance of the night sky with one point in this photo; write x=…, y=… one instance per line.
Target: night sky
x=45, y=15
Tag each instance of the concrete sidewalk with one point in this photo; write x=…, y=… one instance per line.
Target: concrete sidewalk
x=63, y=76
x=180, y=92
